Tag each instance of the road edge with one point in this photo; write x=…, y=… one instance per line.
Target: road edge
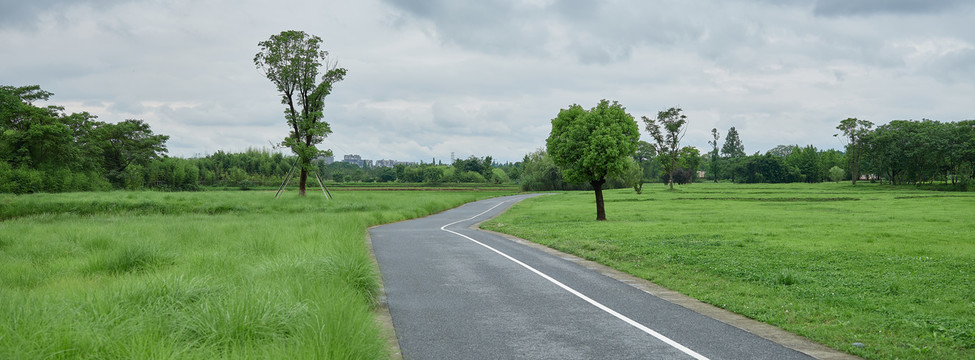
x=381, y=310
x=763, y=330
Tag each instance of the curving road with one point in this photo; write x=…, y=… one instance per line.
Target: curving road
x=458, y=293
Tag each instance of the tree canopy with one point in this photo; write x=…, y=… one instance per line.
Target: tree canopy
x=46, y=149
x=128, y=142
x=591, y=145
x=909, y=151
x=854, y=130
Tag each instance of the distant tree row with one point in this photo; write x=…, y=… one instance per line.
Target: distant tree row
x=470, y=170
x=916, y=152
x=900, y=152
x=260, y=167
x=44, y=149
x=782, y=164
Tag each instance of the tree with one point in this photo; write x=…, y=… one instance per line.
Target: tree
x=782, y=150
x=291, y=60
x=644, y=160
x=854, y=130
x=805, y=161
x=764, y=169
x=474, y=164
x=540, y=173
x=830, y=158
x=713, y=164
x=733, y=148
x=32, y=136
x=667, y=130
x=633, y=176
x=590, y=146
x=836, y=173
x=689, y=159
x=125, y=143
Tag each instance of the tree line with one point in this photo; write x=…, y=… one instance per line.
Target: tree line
x=471, y=170
x=900, y=152
x=917, y=152
x=45, y=149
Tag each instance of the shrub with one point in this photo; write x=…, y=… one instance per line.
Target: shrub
x=470, y=177
x=7, y=184
x=836, y=173
x=57, y=180
x=26, y=181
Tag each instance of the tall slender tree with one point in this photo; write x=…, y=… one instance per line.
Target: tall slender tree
x=291, y=60
x=667, y=130
x=733, y=148
x=713, y=164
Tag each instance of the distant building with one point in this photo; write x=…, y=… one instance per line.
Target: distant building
x=357, y=160
x=366, y=163
x=324, y=159
x=391, y=163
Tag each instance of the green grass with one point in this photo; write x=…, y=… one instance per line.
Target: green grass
x=891, y=268
x=232, y=275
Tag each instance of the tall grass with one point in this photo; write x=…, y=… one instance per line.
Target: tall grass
x=232, y=275
x=890, y=268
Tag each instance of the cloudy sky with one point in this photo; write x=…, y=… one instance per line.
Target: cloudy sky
x=431, y=78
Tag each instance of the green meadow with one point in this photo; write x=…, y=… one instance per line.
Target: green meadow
x=202, y=275
x=892, y=269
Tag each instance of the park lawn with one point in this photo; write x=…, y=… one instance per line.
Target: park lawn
x=200, y=275
x=890, y=268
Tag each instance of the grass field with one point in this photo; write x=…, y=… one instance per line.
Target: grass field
x=892, y=269
x=235, y=275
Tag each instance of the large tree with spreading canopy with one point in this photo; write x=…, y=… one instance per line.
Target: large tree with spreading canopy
x=591, y=145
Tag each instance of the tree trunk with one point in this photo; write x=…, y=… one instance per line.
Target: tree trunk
x=673, y=167
x=302, y=179
x=597, y=186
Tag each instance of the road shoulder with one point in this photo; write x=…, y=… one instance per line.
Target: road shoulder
x=381, y=309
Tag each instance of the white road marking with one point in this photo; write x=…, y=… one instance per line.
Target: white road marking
x=572, y=291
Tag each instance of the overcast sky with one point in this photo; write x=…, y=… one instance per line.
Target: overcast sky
x=485, y=77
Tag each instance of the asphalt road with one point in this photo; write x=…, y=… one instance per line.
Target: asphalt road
x=458, y=293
